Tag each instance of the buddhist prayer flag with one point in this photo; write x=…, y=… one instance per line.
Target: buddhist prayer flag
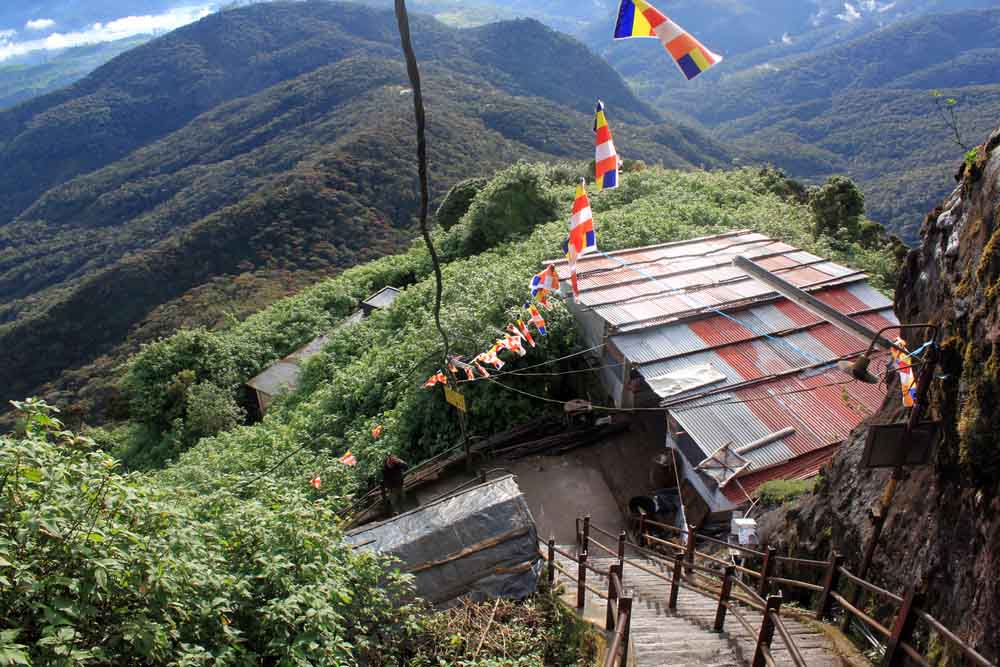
x=638, y=18
x=544, y=282
x=436, y=379
x=536, y=319
x=606, y=161
x=907, y=383
x=377, y=432
x=523, y=330
x=348, y=459
x=513, y=343
x=582, y=237
x=316, y=482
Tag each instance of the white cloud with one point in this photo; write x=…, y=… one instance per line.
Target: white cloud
x=5, y=35
x=851, y=14
x=39, y=24
x=127, y=26
x=786, y=39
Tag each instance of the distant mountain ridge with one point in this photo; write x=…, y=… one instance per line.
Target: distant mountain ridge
x=270, y=143
x=855, y=100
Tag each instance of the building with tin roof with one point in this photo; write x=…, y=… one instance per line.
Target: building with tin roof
x=283, y=375
x=747, y=378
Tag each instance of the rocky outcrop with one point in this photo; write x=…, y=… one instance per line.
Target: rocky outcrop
x=944, y=527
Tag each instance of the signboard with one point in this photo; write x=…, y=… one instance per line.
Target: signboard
x=888, y=446
x=454, y=398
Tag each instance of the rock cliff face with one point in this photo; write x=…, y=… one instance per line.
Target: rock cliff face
x=944, y=526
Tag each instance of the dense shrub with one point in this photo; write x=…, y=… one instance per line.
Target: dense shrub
x=100, y=568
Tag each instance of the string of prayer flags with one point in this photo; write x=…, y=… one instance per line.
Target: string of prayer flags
x=537, y=320
x=606, y=161
x=525, y=333
x=482, y=371
x=435, y=380
x=545, y=282
x=638, y=18
x=513, y=343
x=348, y=459
x=907, y=382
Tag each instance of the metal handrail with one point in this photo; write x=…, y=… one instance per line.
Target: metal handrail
x=797, y=583
x=881, y=629
x=615, y=649
x=870, y=587
x=610, y=551
x=906, y=648
x=793, y=649
x=968, y=651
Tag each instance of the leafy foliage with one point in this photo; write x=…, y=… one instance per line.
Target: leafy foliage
x=837, y=205
x=102, y=568
x=270, y=143
x=371, y=372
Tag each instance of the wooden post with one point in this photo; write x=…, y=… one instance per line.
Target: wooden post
x=766, y=630
x=552, y=562
x=767, y=571
x=613, y=593
x=625, y=607
x=642, y=529
x=581, y=582
x=902, y=628
x=622, y=537
x=690, y=549
x=727, y=589
x=830, y=582
x=675, y=584
x=585, y=545
x=578, y=533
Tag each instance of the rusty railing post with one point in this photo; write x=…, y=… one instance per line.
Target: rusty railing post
x=727, y=589
x=625, y=607
x=766, y=630
x=689, y=551
x=622, y=538
x=767, y=571
x=642, y=529
x=552, y=562
x=675, y=584
x=581, y=582
x=613, y=593
x=902, y=628
x=830, y=582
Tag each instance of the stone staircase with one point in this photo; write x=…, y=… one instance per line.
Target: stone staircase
x=685, y=637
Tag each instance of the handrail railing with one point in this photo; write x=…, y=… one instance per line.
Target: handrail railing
x=832, y=572
x=898, y=635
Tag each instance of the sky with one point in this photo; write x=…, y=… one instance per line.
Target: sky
x=43, y=34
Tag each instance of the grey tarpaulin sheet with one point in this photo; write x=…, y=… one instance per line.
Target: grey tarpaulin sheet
x=480, y=543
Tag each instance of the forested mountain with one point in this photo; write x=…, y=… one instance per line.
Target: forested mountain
x=270, y=142
x=847, y=99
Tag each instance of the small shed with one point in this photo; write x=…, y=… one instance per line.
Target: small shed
x=283, y=375
x=481, y=543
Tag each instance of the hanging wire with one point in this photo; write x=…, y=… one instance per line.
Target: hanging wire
x=403, y=20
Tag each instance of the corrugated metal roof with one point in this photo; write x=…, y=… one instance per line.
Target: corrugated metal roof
x=802, y=467
x=383, y=298
x=701, y=311
x=276, y=378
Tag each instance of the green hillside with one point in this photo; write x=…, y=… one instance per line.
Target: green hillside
x=860, y=104
x=224, y=540
x=279, y=154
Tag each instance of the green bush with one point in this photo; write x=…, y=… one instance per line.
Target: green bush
x=100, y=568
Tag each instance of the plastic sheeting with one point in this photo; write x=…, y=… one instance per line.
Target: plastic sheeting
x=481, y=543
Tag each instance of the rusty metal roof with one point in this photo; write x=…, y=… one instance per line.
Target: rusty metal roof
x=681, y=307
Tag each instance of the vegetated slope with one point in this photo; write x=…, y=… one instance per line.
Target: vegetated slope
x=372, y=372
x=851, y=99
x=944, y=526
x=280, y=142
x=24, y=78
